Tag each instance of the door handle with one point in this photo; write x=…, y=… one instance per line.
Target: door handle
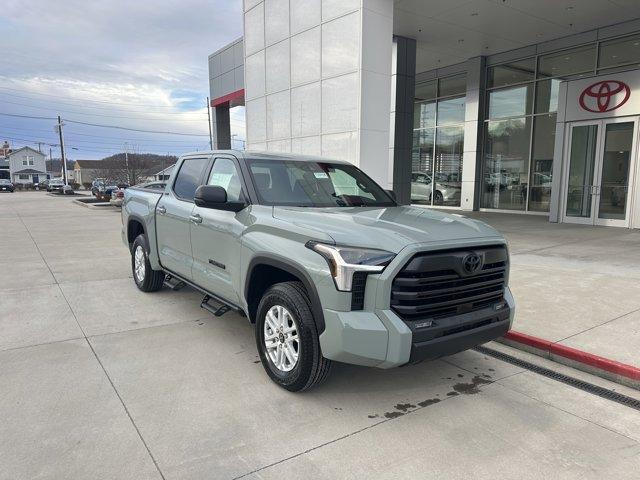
x=161, y=209
x=195, y=218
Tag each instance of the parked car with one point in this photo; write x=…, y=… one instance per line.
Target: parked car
x=6, y=185
x=117, y=196
x=55, y=185
x=102, y=189
x=321, y=259
x=422, y=190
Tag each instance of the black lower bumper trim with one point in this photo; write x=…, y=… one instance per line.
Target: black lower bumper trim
x=457, y=342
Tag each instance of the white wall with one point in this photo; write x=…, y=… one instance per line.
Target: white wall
x=310, y=87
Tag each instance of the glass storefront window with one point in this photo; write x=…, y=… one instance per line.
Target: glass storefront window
x=448, y=166
x=511, y=73
x=511, y=102
x=567, y=62
x=456, y=85
x=451, y=111
x=424, y=115
x=438, y=141
x=422, y=166
x=544, y=135
x=621, y=51
x=506, y=164
x=547, y=95
x=426, y=90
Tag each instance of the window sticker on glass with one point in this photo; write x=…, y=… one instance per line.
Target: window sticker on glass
x=320, y=175
x=221, y=179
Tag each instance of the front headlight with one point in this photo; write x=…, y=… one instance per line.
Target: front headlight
x=345, y=261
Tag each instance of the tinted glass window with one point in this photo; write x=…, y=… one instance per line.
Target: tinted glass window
x=510, y=73
x=506, y=164
x=424, y=115
x=451, y=111
x=621, y=51
x=455, y=85
x=511, y=102
x=426, y=90
x=315, y=184
x=567, y=62
x=225, y=174
x=188, y=178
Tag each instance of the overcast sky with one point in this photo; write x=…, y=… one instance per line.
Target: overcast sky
x=134, y=64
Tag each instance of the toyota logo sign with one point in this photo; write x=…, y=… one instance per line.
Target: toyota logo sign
x=471, y=263
x=605, y=96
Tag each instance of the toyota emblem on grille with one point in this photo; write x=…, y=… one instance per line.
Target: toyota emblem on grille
x=471, y=263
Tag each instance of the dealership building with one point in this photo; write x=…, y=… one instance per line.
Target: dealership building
x=530, y=107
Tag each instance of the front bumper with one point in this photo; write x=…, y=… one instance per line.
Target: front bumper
x=381, y=339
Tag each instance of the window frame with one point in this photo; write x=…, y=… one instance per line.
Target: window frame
x=243, y=183
x=173, y=184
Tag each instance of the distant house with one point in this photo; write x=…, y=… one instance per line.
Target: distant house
x=27, y=165
x=163, y=174
x=84, y=171
x=54, y=168
x=4, y=168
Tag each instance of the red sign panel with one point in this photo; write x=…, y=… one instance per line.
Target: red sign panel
x=605, y=96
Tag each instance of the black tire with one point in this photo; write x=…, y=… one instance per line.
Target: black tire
x=438, y=198
x=152, y=280
x=311, y=368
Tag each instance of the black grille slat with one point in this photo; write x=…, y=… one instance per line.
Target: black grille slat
x=430, y=294
x=434, y=284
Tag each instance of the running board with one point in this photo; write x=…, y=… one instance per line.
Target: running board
x=218, y=310
x=173, y=283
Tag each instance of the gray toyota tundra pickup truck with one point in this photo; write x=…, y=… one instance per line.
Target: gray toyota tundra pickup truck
x=322, y=260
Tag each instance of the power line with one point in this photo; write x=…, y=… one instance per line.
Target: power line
x=136, y=129
x=27, y=116
x=75, y=112
x=81, y=104
x=90, y=101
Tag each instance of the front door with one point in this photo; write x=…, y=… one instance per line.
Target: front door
x=215, y=236
x=173, y=218
x=601, y=158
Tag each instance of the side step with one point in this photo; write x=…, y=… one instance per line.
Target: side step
x=173, y=283
x=218, y=309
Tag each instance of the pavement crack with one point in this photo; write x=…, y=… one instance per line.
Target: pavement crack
x=599, y=325
x=124, y=406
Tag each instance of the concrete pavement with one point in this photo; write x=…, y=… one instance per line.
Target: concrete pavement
x=98, y=380
x=576, y=285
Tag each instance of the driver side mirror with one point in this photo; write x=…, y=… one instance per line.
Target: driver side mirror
x=215, y=197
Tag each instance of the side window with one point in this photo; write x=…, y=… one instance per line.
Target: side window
x=188, y=178
x=225, y=174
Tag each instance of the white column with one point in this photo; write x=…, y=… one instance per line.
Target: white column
x=473, y=127
x=318, y=79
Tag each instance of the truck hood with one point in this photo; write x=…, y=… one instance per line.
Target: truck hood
x=389, y=228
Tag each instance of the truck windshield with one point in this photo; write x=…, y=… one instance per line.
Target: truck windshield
x=315, y=184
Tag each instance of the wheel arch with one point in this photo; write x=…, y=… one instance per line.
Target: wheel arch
x=265, y=271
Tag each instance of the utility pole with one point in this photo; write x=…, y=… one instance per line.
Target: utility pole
x=64, y=160
x=209, y=124
x=126, y=163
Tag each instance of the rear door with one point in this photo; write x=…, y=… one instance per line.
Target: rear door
x=215, y=236
x=173, y=221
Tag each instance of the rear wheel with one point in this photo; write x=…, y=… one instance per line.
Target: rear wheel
x=147, y=279
x=287, y=338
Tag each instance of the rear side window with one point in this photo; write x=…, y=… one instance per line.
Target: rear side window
x=188, y=178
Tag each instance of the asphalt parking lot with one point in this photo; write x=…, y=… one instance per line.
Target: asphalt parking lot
x=99, y=380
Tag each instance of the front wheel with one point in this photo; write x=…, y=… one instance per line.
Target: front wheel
x=147, y=279
x=287, y=338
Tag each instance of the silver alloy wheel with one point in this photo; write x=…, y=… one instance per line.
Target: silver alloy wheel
x=138, y=263
x=281, y=338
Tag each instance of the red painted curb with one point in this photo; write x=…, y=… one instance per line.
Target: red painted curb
x=590, y=359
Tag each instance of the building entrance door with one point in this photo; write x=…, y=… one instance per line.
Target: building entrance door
x=600, y=159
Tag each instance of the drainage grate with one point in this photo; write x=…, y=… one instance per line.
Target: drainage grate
x=574, y=382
